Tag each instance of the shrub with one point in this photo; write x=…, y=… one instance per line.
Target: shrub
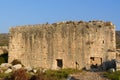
x=16, y=61
x=40, y=76
x=19, y=74
x=5, y=75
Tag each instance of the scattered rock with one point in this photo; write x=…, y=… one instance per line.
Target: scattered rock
x=112, y=70
x=1, y=71
x=44, y=70
x=34, y=71
x=7, y=65
x=71, y=78
x=28, y=69
x=17, y=66
x=8, y=71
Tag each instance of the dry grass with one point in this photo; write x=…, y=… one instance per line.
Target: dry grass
x=4, y=39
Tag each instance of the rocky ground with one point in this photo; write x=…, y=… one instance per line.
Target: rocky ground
x=82, y=75
x=88, y=75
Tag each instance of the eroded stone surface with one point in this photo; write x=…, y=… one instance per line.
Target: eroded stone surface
x=63, y=45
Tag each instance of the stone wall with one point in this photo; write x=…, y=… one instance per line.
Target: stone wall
x=63, y=45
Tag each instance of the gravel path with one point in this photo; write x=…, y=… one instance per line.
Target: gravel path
x=87, y=75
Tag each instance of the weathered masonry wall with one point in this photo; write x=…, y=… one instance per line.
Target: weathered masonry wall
x=66, y=44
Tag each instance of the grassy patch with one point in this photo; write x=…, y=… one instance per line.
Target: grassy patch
x=113, y=75
x=48, y=75
x=4, y=39
x=61, y=74
x=5, y=75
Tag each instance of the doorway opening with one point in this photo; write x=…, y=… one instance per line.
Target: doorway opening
x=59, y=63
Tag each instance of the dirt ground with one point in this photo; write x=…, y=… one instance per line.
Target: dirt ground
x=87, y=75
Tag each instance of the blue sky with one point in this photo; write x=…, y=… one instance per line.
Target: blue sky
x=24, y=12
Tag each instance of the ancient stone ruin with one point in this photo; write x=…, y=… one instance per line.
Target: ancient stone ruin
x=81, y=45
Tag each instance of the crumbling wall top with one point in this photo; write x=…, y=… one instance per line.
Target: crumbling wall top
x=31, y=28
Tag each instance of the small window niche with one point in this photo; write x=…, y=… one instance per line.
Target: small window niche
x=103, y=42
x=92, y=58
x=59, y=63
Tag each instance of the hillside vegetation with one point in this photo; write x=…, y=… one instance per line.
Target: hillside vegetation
x=4, y=39
x=118, y=39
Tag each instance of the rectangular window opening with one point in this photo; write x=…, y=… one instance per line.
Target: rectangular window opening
x=103, y=41
x=92, y=58
x=59, y=63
